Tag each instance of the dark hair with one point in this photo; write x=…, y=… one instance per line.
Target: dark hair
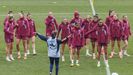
x=124, y=15
x=28, y=14
x=110, y=11
x=22, y=12
x=100, y=19
x=9, y=12
x=96, y=16
x=53, y=34
x=11, y=17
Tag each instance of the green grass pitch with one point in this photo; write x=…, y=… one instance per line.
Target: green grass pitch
x=39, y=65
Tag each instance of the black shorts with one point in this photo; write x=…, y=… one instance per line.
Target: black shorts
x=116, y=38
x=93, y=39
x=102, y=44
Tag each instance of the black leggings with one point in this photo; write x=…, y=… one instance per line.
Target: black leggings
x=52, y=61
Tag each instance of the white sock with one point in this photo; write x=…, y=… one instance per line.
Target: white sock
x=72, y=61
x=87, y=51
x=77, y=61
x=125, y=51
x=34, y=51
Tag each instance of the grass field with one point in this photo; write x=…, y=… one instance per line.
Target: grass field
x=39, y=65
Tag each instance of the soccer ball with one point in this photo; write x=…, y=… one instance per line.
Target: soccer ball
x=114, y=73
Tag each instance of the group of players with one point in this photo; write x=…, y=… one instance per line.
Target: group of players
x=81, y=32
x=23, y=29
x=93, y=30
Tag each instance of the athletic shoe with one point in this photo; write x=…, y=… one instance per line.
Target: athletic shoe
x=98, y=64
x=94, y=56
x=34, y=54
x=125, y=53
x=77, y=65
x=50, y=73
x=11, y=57
x=8, y=59
x=87, y=53
x=71, y=65
x=63, y=59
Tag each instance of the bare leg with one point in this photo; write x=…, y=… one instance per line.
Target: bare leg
x=78, y=56
x=99, y=52
x=33, y=45
x=73, y=53
x=93, y=50
x=106, y=52
x=28, y=46
x=87, y=47
x=119, y=47
x=18, y=49
x=112, y=48
x=8, y=51
x=106, y=56
x=62, y=52
x=11, y=48
x=25, y=48
x=125, y=45
x=70, y=52
x=125, y=48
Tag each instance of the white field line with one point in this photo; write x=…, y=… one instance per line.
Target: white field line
x=62, y=13
x=107, y=68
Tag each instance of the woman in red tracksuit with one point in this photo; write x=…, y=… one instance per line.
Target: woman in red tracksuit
x=102, y=34
x=9, y=27
x=51, y=24
x=22, y=33
x=10, y=14
x=92, y=35
x=86, y=25
x=109, y=18
x=76, y=40
x=77, y=43
x=102, y=40
x=126, y=33
x=32, y=34
x=64, y=29
x=116, y=34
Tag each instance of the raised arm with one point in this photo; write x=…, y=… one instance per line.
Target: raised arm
x=44, y=38
x=59, y=29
